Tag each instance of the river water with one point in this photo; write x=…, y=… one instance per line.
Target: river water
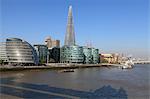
x=86, y=83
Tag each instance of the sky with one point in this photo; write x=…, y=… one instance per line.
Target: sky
x=112, y=26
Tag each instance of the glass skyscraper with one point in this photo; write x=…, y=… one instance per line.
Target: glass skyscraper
x=72, y=53
x=70, y=35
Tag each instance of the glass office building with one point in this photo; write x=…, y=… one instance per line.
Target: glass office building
x=95, y=54
x=71, y=54
x=88, y=57
x=54, y=55
x=42, y=53
x=17, y=51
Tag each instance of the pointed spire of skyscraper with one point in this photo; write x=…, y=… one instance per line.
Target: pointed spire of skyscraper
x=70, y=35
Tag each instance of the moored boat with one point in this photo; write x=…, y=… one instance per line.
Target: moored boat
x=128, y=64
x=66, y=70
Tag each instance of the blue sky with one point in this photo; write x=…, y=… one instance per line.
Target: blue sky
x=110, y=25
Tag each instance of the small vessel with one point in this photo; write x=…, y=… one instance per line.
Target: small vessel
x=128, y=64
x=19, y=74
x=67, y=70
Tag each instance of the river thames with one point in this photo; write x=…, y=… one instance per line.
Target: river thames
x=86, y=83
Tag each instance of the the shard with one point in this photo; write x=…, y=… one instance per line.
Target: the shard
x=70, y=35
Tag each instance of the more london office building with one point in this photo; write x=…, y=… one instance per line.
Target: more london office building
x=79, y=54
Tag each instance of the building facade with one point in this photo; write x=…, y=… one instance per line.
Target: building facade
x=72, y=54
x=95, y=54
x=56, y=43
x=88, y=57
x=54, y=55
x=110, y=58
x=16, y=51
x=50, y=43
x=42, y=53
x=3, y=55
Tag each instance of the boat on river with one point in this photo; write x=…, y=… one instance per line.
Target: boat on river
x=66, y=70
x=128, y=64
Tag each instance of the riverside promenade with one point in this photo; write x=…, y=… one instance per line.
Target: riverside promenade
x=56, y=66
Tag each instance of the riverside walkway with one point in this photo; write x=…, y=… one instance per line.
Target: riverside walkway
x=56, y=66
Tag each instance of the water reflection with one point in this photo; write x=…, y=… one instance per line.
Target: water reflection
x=27, y=90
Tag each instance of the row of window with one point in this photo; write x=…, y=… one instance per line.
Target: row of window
x=25, y=56
x=19, y=50
x=21, y=53
x=74, y=60
x=16, y=44
x=18, y=47
x=21, y=59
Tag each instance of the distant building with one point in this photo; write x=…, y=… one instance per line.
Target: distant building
x=16, y=51
x=106, y=58
x=54, y=55
x=42, y=53
x=109, y=58
x=56, y=43
x=50, y=43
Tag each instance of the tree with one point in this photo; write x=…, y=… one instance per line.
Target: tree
x=1, y=61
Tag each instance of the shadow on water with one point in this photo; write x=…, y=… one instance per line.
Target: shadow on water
x=36, y=91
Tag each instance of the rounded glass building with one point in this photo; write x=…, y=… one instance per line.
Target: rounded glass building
x=3, y=55
x=71, y=54
x=20, y=52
